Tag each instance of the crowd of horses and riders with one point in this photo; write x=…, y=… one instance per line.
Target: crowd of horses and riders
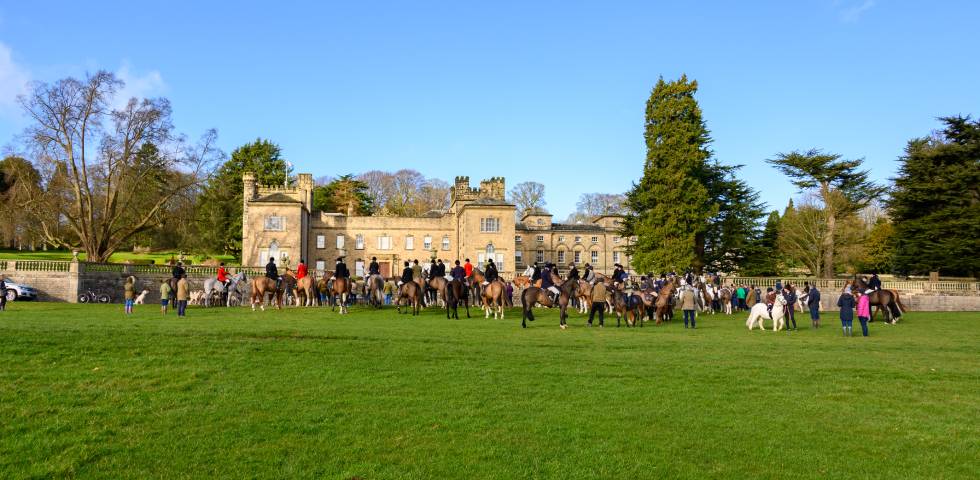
x=632, y=300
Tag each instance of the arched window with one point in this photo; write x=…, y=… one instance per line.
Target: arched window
x=489, y=249
x=273, y=250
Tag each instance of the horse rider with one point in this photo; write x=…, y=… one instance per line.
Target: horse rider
x=589, y=274
x=874, y=283
x=468, y=267
x=301, y=269
x=573, y=272
x=554, y=269
x=458, y=273
x=178, y=271
x=374, y=268
x=407, y=274
x=416, y=269
x=341, y=270
x=223, y=275
x=619, y=275
x=529, y=271
x=770, y=300
x=272, y=272
x=548, y=285
x=491, y=273
x=440, y=268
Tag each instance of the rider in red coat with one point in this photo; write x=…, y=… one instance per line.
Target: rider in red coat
x=301, y=269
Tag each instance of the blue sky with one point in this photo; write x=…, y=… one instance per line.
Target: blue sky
x=546, y=91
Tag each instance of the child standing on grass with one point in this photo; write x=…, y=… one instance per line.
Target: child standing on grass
x=846, y=304
x=863, y=311
x=128, y=295
x=164, y=296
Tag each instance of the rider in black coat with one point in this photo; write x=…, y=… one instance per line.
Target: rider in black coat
x=491, y=274
x=341, y=271
x=374, y=268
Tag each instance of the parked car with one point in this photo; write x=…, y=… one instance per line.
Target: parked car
x=16, y=291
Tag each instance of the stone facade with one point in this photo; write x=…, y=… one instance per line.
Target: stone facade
x=479, y=224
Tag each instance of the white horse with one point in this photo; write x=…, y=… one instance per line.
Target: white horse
x=214, y=288
x=759, y=313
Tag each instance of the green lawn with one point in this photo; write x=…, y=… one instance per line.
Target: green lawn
x=157, y=257
x=87, y=392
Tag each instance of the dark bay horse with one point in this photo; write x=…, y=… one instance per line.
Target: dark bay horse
x=534, y=295
x=338, y=294
x=411, y=292
x=665, y=304
x=456, y=293
x=883, y=300
x=627, y=307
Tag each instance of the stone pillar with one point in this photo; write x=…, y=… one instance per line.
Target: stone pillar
x=74, y=271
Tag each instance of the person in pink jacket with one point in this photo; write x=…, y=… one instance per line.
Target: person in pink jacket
x=864, y=311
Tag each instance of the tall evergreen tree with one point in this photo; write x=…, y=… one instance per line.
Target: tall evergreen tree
x=762, y=258
x=840, y=186
x=671, y=205
x=345, y=195
x=219, y=208
x=935, y=206
x=734, y=233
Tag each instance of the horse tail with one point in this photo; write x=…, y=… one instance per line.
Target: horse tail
x=901, y=308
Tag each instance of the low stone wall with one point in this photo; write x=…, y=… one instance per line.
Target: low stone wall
x=51, y=286
x=920, y=303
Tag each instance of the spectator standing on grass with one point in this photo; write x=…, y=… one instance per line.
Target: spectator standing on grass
x=129, y=295
x=3, y=293
x=789, y=293
x=389, y=290
x=598, y=303
x=813, y=303
x=863, y=311
x=183, y=294
x=846, y=304
x=165, y=292
x=688, y=304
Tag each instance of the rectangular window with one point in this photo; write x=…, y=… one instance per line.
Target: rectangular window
x=517, y=239
x=540, y=238
x=340, y=241
x=500, y=261
x=427, y=242
x=595, y=239
x=490, y=225
x=615, y=257
x=321, y=241
x=578, y=257
x=275, y=224
x=321, y=265
x=445, y=242
x=539, y=256
x=359, y=242
x=595, y=256
x=384, y=243
x=561, y=238
x=359, y=268
x=615, y=239
x=561, y=257
x=519, y=258
x=578, y=239
x=409, y=243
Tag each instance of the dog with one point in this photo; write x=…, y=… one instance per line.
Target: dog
x=141, y=297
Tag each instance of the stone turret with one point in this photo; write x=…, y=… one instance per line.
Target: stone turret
x=304, y=184
x=492, y=187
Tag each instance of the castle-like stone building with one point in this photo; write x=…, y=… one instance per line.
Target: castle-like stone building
x=480, y=224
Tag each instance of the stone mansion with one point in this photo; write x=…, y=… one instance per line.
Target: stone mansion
x=479, y=224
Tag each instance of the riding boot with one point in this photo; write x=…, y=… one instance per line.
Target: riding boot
x=845, y=330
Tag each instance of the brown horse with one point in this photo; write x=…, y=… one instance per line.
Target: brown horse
x=262, y=286
x=493, y=298
x=665, y=307
x=534, y=295
x=627, y=307
x=456, y=292
x=883, y=300
x=338, y=294
x=476, y=280
x=649, y=299
x=439, y=284
x=584, y=296
x=375, y=287
x=307, y=287
x=726, y=300
x=411, y=292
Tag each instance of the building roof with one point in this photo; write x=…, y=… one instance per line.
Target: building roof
x=577, y=227
x=277, y=198
x=492, y=202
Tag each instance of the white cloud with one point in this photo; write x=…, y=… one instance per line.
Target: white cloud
x=851, y=11
x=140, y=86
x=13, y=80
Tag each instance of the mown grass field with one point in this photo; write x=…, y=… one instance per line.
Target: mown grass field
x=87, y=392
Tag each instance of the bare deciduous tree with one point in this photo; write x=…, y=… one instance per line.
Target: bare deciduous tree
x=527, y=196
x=108, y=174
x=591, y=205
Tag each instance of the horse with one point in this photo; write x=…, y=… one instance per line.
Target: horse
x=493, y=298
x=339, y=291
x=627, y=306
x=726, y=300
x=456, y=292
x=704, y=297
x=649, y=298
x=535, y=295
x=263, y=285
x=376, y=285
x=476, y=280
x=584, y=296
x=665, y=303
x=884, y=300
x=523, y=281
x=411, y=292
x=212, y=286
x=439, y=284
x=308, y=288
x=760, y=312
